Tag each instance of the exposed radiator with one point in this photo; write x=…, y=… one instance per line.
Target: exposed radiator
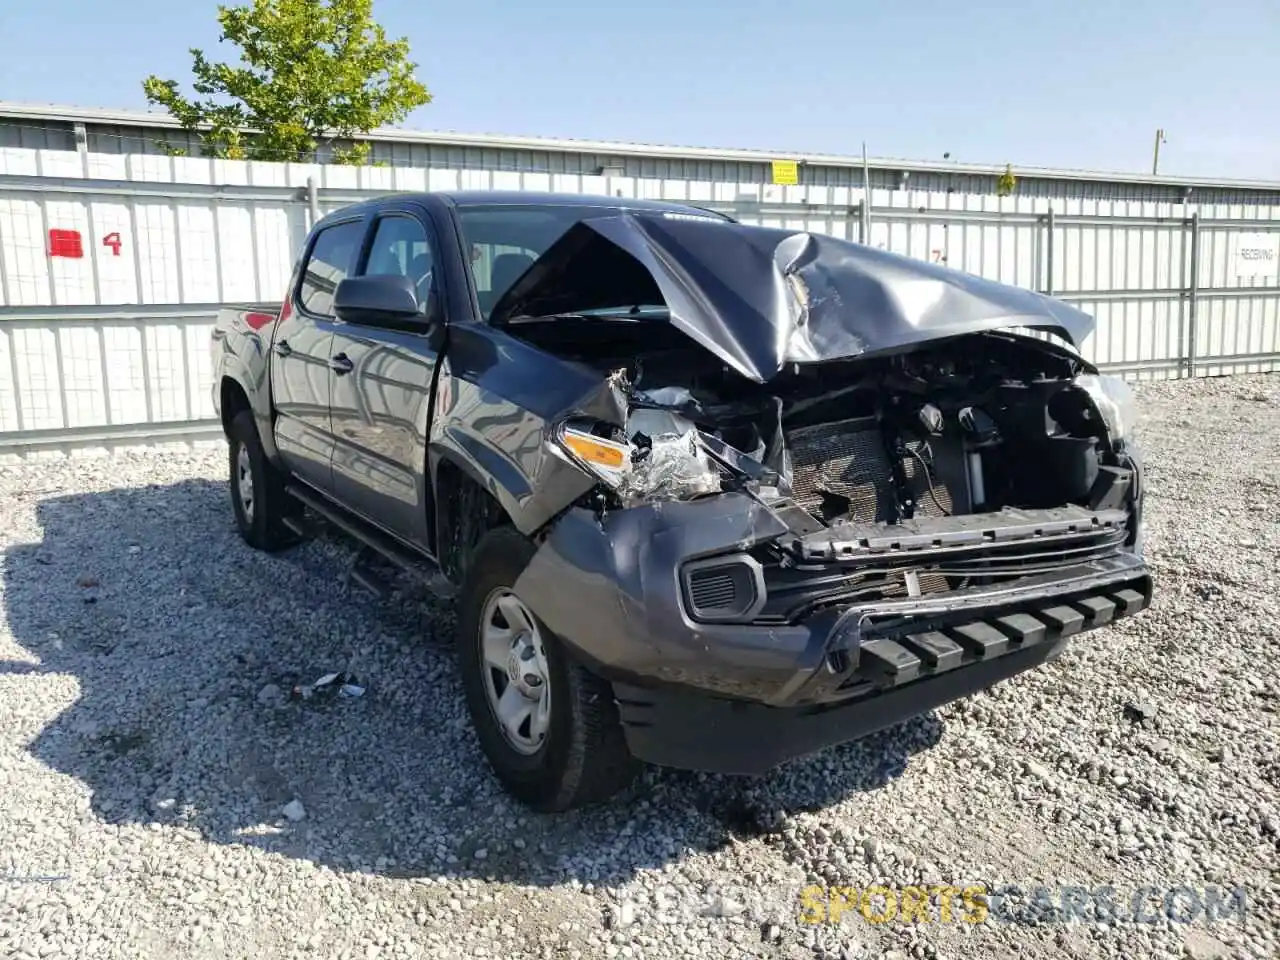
x=834, y=464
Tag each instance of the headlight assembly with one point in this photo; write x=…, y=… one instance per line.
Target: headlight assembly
x=608, y=460
x=1115, y=403
x=668, y=464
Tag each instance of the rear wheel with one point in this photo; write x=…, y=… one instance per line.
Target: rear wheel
x=258, y=495
x=548, y=726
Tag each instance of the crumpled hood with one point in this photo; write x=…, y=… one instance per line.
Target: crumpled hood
x=763, y=298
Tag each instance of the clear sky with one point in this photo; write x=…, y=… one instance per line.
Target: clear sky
x=1073, y=83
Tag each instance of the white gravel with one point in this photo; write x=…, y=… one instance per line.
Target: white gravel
x=164, y=794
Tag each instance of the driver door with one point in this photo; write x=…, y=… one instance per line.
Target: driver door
x=382, y=386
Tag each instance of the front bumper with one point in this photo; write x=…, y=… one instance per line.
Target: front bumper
x=741, y=698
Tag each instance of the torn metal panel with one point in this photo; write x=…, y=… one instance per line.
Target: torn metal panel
x=762, y=299
x=497, y=404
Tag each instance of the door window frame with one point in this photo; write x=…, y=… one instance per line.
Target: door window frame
x=432, y=237
x=296, y=293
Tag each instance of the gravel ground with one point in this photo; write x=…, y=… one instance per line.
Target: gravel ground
x=163, y=795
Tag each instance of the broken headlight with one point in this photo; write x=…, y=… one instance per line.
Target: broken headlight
x=669, y=466
x=607, y=459
x=1115, y=405
x=667, y=463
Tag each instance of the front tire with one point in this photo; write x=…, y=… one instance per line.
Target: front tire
x=548, y=727
x=258, y=495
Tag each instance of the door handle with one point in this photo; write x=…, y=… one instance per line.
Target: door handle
x=341, y=364
x=282, y=348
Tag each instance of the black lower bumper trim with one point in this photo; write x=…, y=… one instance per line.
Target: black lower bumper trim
x=1022, y=627
x=981, y=639
x=899, y=669
x=1130, y=602
x=939, y=653
x=904, y=650
x=675, y=728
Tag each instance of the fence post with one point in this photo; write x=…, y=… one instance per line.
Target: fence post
x=1048, y=246
x=1193, y=294
x=313, y=202
x=864, y=221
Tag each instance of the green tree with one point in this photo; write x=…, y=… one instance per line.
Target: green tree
x=309, y=71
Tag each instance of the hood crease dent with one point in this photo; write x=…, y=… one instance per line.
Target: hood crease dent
x=762, y=298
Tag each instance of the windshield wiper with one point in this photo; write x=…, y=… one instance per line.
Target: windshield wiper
x=605, y=313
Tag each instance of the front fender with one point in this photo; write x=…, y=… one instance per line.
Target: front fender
x=503, y=448
x=497, y=401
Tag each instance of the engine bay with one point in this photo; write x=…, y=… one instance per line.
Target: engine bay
x=967, y=425
x=955, y=464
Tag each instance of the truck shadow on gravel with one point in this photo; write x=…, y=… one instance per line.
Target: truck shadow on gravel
x=186, y=646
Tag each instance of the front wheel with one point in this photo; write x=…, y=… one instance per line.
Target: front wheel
x=548, y=726
x=258, y=495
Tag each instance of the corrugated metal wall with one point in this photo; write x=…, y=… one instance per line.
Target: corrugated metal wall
x=133, y=139
x=114, y=342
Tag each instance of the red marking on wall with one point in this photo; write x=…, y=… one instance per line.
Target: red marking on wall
x=66, y=243
x=113, y=241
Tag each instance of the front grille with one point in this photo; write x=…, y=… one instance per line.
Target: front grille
x=850, y=563
x=842, y=469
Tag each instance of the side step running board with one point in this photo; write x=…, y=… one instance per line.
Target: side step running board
x=417, y=565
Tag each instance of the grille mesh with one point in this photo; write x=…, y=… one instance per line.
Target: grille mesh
x=846, y=461
x=712, y=590
x=721, y=590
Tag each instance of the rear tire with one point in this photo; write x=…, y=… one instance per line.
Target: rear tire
x=258, y=495
x=567, y=750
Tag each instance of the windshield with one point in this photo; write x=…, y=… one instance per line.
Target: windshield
x=505, y=240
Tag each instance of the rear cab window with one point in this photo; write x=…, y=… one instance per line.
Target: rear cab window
x=331, y=260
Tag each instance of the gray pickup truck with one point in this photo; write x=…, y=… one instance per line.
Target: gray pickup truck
x=706, y=495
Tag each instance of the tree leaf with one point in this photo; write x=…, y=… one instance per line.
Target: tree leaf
x=308, y=71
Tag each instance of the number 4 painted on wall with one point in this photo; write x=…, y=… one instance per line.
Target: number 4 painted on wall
x=113, y=241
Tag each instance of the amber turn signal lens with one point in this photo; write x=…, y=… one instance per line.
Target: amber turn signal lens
x=595, y=451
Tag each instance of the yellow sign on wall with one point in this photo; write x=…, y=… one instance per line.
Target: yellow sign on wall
x=786, y=172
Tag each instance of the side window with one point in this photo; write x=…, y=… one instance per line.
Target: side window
x=331, y=260
x=400, y=248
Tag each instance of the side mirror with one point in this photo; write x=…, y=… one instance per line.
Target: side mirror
x=379, y=301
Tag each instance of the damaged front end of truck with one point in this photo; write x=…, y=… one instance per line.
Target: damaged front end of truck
x=836, y=484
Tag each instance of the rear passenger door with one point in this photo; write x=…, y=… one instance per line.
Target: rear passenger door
x=301, y=352
x=382, y=386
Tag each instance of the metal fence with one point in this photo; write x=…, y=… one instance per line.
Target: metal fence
x=112, y=269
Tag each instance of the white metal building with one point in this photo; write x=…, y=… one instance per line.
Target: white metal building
x=114, y=256
x=52, y=127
